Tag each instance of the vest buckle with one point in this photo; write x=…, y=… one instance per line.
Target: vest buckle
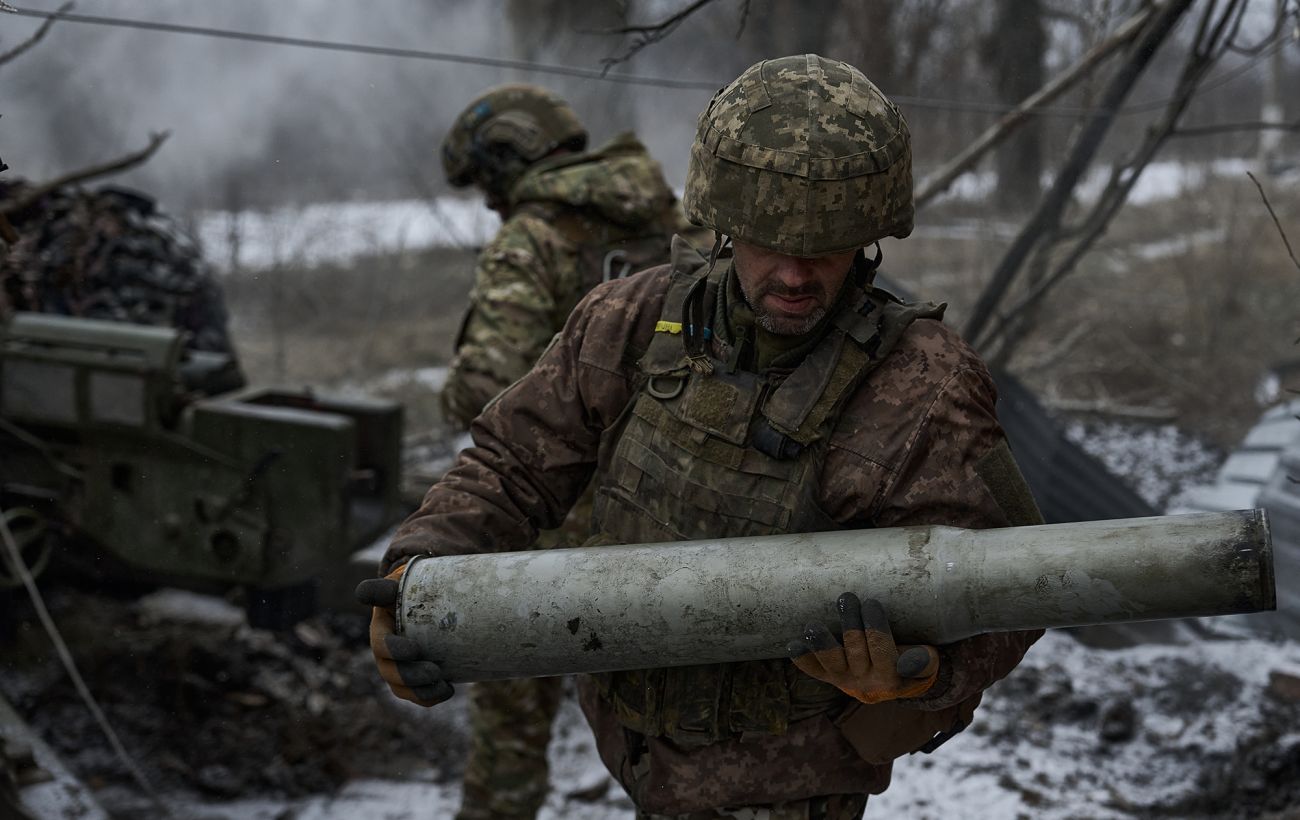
x=772, y=443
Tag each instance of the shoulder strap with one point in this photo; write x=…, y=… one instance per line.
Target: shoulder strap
x=667, y=351
x=863, y=333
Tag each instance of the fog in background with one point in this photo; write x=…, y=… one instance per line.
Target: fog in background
x=266, y=123
x=256, y=125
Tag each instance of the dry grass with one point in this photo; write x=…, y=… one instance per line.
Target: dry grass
x=1183, y=307
x=347, y=324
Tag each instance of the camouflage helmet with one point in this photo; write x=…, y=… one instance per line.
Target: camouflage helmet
x=505, y=130
x=804, y=156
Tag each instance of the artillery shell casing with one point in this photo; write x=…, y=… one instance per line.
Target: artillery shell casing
x=553, y=612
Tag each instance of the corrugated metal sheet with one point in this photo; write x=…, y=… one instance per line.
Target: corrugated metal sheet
x=1250, y=468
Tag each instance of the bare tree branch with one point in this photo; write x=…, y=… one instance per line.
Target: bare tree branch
x=1086, y=145
x=1060, y=349
x=939, y=181
x=1067, y=15
x=1276, y=222
x=112, y=167
x=1228, y=127
x=35, y=38
x=744, y=18
x=652, y=33
x=1279, y=24
x=1204, y=53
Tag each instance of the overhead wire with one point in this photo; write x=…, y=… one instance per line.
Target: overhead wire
x=599, y=75
x=382, y=51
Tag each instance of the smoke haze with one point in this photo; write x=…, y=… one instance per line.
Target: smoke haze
x=257, y=124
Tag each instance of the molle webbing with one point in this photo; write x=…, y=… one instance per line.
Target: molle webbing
x=687, y=463
x=862, y=336
x=608, y=250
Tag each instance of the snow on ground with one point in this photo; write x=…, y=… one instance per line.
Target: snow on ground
x=338, y=231
x=1206, y=728
x=1073, y=732
x=581, y=788
x=1048, y=756
x=1159, y=181
x=432, y=379
x=1157, y=461
x=1076, y=731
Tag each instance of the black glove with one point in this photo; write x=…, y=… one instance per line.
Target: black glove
x=869, y=666
x=401, y=663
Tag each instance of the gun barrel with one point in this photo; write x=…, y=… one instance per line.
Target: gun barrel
x=553, y=612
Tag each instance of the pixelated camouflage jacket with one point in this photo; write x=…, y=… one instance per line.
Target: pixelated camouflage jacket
x=537, y=267
x=904, y=451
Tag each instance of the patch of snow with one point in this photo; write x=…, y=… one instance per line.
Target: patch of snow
x=1157, y=461
x=192, y=607
x=970, y=186
x=433, y=458
x=1159, y=181
x=1178, y=245
x=1192, y=704
x=967, y=229
x=581, y=788
x=1035, y=749
x=339, y=231
x=433, y=379
x=1169, y=179
x=370, y=555
x=61, y=794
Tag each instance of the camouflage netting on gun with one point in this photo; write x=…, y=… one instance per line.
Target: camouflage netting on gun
x=110, y=254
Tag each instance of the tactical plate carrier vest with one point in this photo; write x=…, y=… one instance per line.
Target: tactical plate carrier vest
x=730, y=453
x=605, y=250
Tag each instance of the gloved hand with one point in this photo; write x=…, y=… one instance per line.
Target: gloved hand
x=401, y=664
x=869, y=666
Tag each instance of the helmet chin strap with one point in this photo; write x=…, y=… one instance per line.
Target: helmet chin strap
x=720, y=241
x=865, y=269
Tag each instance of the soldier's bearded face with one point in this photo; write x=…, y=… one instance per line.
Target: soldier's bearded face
x=789, y=294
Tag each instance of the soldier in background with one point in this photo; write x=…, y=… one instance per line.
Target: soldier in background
x=772, y=390
x=571, y=219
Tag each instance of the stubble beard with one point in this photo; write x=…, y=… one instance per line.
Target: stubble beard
x=784, y=325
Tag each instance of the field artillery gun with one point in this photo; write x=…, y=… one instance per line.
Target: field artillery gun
x=125, y=453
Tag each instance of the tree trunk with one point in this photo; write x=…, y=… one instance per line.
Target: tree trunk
x=1047, y=218
x=1014, y=52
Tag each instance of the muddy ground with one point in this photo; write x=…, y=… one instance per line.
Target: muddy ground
x=217, y=713
x=214, y=711
x=211, y=707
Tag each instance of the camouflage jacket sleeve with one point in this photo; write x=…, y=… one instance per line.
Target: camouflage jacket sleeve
x=523, y=288
x=536, y=445
x=929, y=463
